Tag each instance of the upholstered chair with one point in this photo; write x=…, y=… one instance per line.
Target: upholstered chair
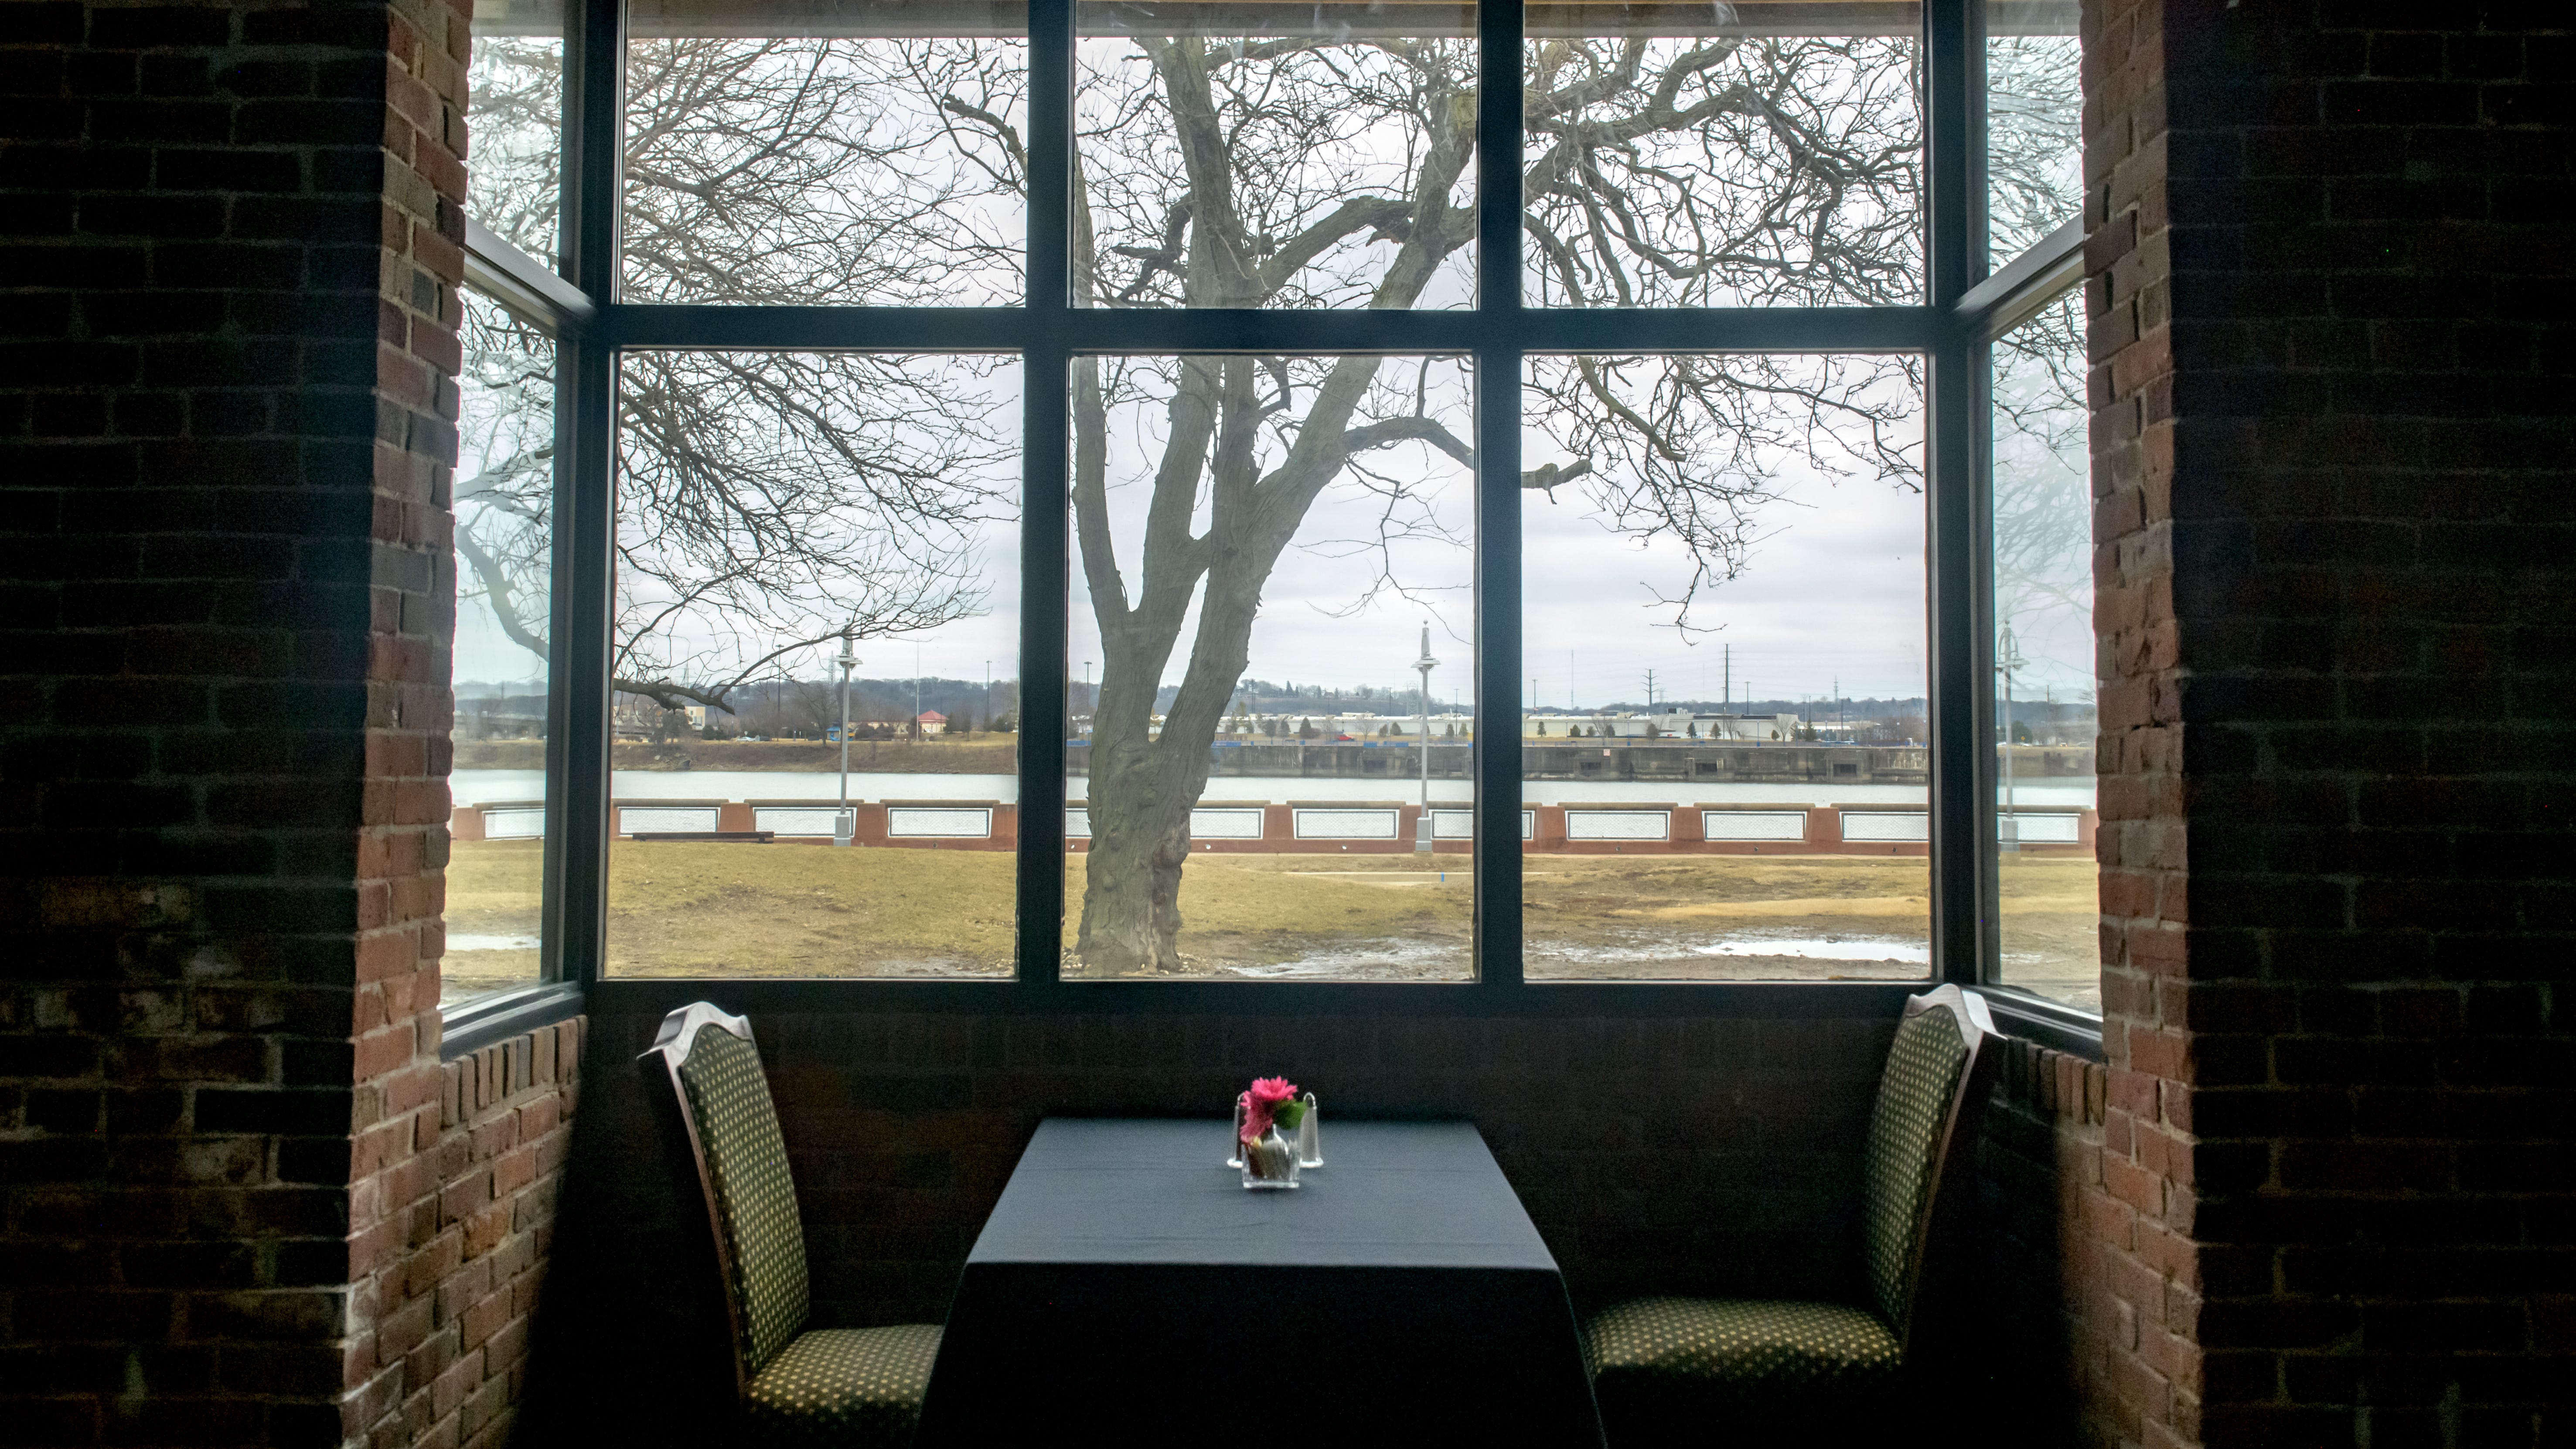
x=1702, y=1370
x=793, y=1384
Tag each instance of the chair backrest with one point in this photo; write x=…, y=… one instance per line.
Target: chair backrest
x=704, y=1075
x=1921, y=1140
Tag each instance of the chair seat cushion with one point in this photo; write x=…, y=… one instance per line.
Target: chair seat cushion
x=1740, y=1351
x=845, y=1386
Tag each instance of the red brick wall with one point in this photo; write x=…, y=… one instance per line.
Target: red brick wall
x=2332, y=457
x=2126, y=1223
x=421, y=1177
x=227, y=415
x=470, y=1224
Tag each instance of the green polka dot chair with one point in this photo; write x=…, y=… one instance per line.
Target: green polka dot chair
x=793, y=1384
x=1701, y=1370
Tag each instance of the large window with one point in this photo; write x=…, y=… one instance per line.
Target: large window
x=2045, y=816
x=816, y=569
x=1725, y=756
x=504, y=486
x=1697, y=156
x=504, y=555
x=1259, y=772
x=824, y=153
x=1108, y=497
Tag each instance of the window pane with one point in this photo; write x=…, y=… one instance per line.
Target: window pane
x=770, y=507
x=1724, y=744
x=514, y=160
x=505, y=492
x=1275, y=156
x=2034, y=122
x=852, y=151
x=1695, y=155
x=1272, y=638
x=2050, y=901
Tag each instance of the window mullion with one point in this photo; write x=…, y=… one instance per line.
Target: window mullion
x=577, y=753
x=1498, y=512
x=1961, y=822
x=1044, y=489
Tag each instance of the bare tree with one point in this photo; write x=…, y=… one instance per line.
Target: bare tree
x=505, y=502
x=769, y=506
x=2043, y=496
x=2034, y=139
x=2043, y=521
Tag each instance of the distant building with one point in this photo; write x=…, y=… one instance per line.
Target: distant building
x=1676, y=724
x=932, y=722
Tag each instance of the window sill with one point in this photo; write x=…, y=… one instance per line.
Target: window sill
x=470, y=1026
x=2033, y=1017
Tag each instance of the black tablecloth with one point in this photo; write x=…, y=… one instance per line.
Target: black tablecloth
x=1128, y=1289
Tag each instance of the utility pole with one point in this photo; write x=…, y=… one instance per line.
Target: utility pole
x=988, y=696
x=2007, y=659
x=1729, y=677
x=842, y=824
x=917, y=731
x=1425, y=664
x=1650, y=691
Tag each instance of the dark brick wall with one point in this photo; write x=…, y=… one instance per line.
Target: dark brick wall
x=1700, y=1154
x=2333, y=446
x=2043, y=1207
x=232, y=1195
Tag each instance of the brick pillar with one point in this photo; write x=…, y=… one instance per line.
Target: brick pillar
x=2136, y=1270
x=407, y=1220
x=2332, y=444
x=240, y=1202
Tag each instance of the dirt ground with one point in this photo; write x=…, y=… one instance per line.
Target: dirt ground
x=688, y=908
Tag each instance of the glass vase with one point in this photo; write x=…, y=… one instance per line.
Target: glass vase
x=1269, y=1161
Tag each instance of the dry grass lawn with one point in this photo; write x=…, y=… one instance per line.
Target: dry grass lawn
x=690, y=909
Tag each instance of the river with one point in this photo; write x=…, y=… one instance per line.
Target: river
x=487, y=787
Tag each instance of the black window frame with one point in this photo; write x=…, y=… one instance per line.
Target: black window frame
x=1968, y=304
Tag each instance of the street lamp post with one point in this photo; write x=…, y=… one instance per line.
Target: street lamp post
x=2007, y=659
x=842, y=824
x=1425, y=664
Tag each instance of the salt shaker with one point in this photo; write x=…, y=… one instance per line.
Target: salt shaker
x=1310, y=1141
x=1234, y=1140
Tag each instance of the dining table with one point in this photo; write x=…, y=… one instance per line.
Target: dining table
x=1128, y=1288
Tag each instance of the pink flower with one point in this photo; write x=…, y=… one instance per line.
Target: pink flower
x=1261, y=1104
